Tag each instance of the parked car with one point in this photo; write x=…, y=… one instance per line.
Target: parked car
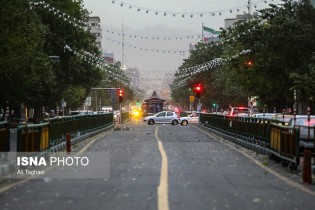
x=282, y=119
x=265, y=115
x=165, y=117
x=306, y=126
x=240, y=111
x=192, y=118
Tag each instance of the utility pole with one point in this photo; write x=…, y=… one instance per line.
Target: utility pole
x=122, y=45
x=249, y=6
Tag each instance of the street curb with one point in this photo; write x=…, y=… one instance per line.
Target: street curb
x=243, y=143
x=9, y=167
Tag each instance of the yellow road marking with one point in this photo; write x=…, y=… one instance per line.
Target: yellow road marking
x=162, y=189
x=5, y=188
x=269, y=170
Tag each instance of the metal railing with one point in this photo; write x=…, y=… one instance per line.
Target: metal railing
x=32, y=137
x=281, y=143
x=39, y=137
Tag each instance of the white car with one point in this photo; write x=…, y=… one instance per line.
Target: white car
x=306, y=125
x=192, y=118
x=265, y=115
x=165, y=117
x=240, y=111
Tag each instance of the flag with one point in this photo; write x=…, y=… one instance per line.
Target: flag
x=208, y=33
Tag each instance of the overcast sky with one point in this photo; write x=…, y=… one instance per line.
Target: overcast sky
x=147, y=54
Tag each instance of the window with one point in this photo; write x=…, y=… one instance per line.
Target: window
x=162, y=114
x=169, y=113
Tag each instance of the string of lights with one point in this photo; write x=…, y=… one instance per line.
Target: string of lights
x=146, y=49
x=110, y=30
x=110, y=69
x=202, y=68
x=185, y=14
x=65, y=17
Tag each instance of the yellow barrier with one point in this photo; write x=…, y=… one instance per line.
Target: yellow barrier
x=33, y=138
x=275, y=139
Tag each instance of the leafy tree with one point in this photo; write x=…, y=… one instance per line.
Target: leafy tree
x=268, y=56
x=24, y=68
x=188, y=72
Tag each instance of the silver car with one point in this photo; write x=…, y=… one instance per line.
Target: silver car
x=165, y=117
x=192, y=118
x=306, y=125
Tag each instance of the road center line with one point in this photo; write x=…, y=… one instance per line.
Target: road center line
x=271, y=171
x=162, y=190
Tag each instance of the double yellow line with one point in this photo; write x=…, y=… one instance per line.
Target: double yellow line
x=162, y=190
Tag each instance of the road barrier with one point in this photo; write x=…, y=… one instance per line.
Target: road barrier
x=77, y=125
x=4, y=137
x=40, y=137
x=280, y=142
x=32, y=137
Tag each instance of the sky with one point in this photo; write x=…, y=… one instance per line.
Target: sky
x=142, y=49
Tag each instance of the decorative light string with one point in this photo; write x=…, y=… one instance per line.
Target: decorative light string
x=232, y=38
x=78, y=23
x=149, y=79
x=183, y=14
x=65, y=17
x=202, y=68
x=112, y=70
x=169, y=51
x=179, y=84
x=110, y=30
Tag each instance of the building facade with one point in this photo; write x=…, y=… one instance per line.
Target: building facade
x=94, y=24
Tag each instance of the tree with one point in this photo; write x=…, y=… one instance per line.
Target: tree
x=267, y=56
x=32, y=34
x=23, y=64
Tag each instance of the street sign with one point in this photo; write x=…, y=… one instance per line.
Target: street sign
x=191, y=99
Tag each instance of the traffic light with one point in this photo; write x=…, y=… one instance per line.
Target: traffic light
x=138, y=102
x=198, y=90
x=249, y=63
x=120, y=94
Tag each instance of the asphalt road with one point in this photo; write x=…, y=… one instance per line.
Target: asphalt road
x=164, y=167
